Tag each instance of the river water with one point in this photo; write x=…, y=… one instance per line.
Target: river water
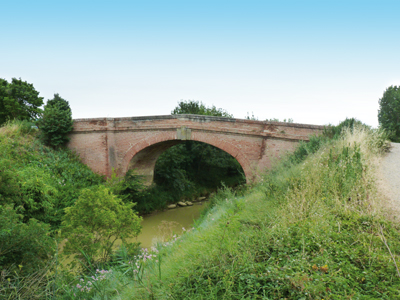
x=163, y=224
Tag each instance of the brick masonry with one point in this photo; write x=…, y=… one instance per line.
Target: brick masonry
x=105, y=144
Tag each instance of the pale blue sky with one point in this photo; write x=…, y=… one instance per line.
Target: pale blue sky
x=317, y=62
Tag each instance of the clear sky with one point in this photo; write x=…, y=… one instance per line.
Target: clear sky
x=316, y=62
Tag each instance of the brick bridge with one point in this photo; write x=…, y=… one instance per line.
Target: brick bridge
x=121, y=144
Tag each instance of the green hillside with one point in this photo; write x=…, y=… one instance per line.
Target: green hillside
x=314, y=228
x=39, y=180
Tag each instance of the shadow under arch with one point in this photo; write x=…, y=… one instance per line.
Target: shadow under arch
x=143, y=156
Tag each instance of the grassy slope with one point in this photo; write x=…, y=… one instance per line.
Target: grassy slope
x=39, y=179
x=314, y=230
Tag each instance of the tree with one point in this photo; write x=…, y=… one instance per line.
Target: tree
x=56, y=122
x=18, y=100
x=389, y=112
x=198, y=108
x=95, y=222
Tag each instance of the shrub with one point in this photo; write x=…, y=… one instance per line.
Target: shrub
x=27, y=245
x=95, y=222
x=41, y=180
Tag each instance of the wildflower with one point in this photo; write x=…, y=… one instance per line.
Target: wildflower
x=314, y=267
x=324, y=268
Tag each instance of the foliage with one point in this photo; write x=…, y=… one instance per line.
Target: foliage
x=334, y=132
x=389, y=112
x=27, y=245
x=254, y=118
x=193, y=163
x=88, y=286
x=331, y=132
x=39, y=179
x=97, y=219
x=18, y=100
x=130, y=188
x=40, y=284
x=199, y=108
x=289, y=120
x=56, y=122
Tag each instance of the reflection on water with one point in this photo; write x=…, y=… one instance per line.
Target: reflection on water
x=154, y=226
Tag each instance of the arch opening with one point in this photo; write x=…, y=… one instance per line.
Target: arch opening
x=144, y=161
x=181, y=165
x=197, y=164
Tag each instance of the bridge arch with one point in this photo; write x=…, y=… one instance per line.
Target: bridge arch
x=143, y=155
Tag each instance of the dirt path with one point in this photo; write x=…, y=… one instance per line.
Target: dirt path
x=390, y=176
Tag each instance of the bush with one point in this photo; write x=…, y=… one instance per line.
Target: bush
x=95, y=222
x=334, y=132
x=41, y=180
x=27, y=245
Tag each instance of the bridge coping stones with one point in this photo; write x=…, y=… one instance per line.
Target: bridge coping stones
x=201, y=118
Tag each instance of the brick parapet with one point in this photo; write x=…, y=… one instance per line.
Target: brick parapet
x=201, y=123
